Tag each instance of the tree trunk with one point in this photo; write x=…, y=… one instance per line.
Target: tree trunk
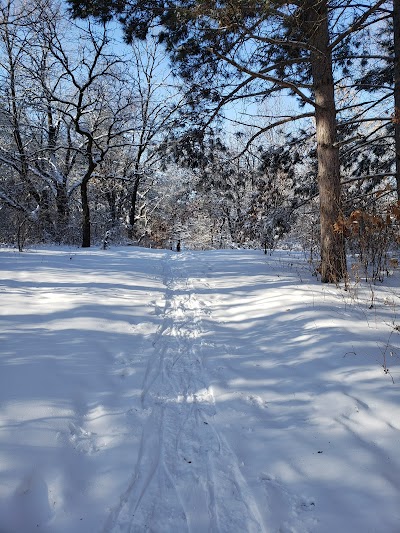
x=112, y=204
x=333, y=257
x=396, y=119
x=85, y=215
x=62, y=212
x=45, y=212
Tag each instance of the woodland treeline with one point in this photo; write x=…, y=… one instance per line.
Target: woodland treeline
x=214, y=124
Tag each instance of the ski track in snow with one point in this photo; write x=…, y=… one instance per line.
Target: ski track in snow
x=186, y=478
x=152, y=391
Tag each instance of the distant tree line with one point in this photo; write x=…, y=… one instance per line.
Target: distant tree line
x=144, y=140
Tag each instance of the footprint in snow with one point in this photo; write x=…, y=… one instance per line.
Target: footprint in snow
x=257, y=401
x=289, y=512
x=82, y=440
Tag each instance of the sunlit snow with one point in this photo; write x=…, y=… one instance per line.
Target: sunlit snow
x=220, y=391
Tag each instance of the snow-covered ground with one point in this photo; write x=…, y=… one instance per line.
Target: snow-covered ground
x=144, y=390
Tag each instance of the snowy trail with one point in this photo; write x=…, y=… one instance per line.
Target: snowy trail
x=186, y=478
x=213, y=391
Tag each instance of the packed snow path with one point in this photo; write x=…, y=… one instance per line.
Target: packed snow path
x=186, y=478
x=220, y=391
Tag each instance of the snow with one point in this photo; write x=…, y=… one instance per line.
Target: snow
x=224, y=391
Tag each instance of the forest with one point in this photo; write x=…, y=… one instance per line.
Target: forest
x=203, y=125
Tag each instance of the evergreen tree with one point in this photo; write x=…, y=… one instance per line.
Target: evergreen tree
x=369, y=131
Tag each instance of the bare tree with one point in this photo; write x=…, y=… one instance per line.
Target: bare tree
x=158, y=104
x=94, y=103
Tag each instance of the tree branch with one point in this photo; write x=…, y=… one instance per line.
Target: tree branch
x=281, y=83
x=358, y=24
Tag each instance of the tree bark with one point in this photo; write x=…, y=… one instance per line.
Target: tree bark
x=333, y=257
x=396, y=119
x=62, y=211
x=45, y=211
x=85, y=215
